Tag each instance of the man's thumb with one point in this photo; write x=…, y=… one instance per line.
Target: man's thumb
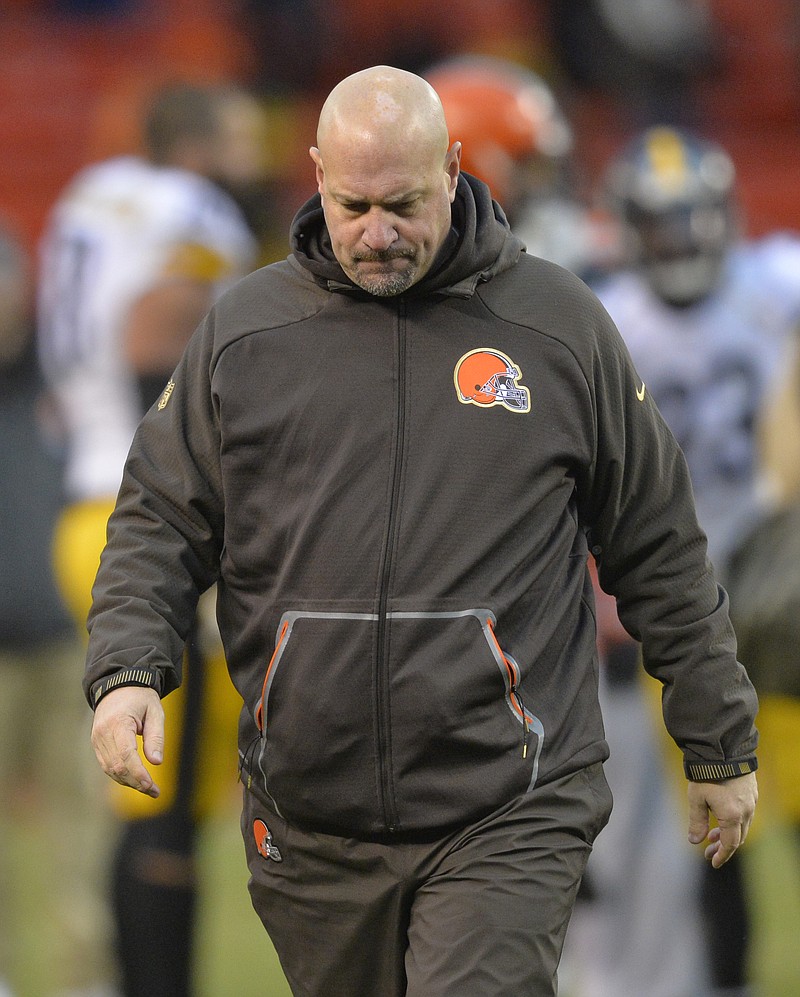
x=153, y=736
x=153, y=748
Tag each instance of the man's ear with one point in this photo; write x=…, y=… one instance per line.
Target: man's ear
x=453, y=167
x=320, y=170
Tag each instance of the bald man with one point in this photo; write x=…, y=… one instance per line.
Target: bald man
x=390, y=178
x=393, y=452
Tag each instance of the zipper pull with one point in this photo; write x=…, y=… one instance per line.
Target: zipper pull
x=518, y=697
x=245, y=762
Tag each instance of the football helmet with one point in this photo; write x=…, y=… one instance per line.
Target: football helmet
x=675, y=194
x=513, y=134
x=487, y=377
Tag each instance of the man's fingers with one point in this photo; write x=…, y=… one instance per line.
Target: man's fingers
x=698, y=820
x=732, y=802
x=116, y=750
x=118, y=719
x=713, y=844
x=129, y=770
x=728, y=840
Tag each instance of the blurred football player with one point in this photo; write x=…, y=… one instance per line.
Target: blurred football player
x=706, y=313
x=707, y=316
x=516, y=138
x=136, y=250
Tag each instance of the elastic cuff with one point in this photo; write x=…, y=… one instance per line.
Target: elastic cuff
x=717, y=771
x=144, y=677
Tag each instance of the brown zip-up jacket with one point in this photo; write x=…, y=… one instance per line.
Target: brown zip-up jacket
x=397, y=498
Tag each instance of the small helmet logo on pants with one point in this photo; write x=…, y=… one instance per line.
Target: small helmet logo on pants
x=264, y=843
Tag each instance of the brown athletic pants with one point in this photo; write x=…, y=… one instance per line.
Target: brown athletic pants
x=481, y=912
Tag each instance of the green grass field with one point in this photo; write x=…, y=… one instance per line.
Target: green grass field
x=236, y=957
x=234, y=953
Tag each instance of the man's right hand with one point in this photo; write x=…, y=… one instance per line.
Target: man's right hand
x=119, y=717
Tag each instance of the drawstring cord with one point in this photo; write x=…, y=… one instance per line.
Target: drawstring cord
x=245, y=761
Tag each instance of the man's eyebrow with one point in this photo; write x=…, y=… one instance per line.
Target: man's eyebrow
x=405, y=198
x=410, y=195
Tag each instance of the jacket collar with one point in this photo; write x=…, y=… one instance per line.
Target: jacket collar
x=480, y=245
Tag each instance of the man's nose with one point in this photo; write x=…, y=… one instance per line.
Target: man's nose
x=379, y=231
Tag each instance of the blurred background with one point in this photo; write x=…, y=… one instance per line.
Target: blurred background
x=75, y=77
x=73, y=72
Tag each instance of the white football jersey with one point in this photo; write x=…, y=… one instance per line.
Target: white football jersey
x=121, y=228
x=709, y=366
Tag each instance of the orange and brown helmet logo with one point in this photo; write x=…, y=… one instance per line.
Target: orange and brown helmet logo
x=264, y=843
x=487, y=377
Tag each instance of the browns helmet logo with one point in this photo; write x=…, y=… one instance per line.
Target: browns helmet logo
x=264, y=843
x=487, y=377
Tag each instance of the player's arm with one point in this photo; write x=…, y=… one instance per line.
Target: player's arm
x=163, y=318
x=160, y=323
x=121, y=716
x=779, y=431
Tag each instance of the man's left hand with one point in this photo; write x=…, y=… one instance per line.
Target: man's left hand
x=732, y=803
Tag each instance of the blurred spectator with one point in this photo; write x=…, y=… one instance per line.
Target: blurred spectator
x=92, y=8
x=650, y=54
x=764, y=587
x=516, y=138
x=135, y=252
x=53, y=935
x=707, y=316
x=307, y=45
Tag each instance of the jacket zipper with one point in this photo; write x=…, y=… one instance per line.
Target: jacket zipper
x=382, y=705
x=261, y=703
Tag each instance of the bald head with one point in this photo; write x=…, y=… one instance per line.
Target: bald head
x=386, y=176
x=383, y=105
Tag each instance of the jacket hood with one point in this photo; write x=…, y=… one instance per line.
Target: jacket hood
x=479, y=246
